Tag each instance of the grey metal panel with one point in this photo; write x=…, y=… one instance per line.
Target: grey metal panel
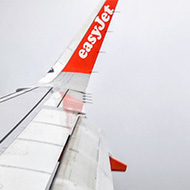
x=76, y=81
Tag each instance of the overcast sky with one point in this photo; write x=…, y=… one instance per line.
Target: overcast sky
x=142, y=88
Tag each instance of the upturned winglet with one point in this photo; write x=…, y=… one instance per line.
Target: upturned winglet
x=85, y=55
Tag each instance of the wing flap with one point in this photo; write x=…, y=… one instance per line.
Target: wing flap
x=31, y=155
x=85, y=164
x=38, y=147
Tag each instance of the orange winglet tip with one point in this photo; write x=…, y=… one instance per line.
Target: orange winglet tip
x=117, y=165
x=85, y=55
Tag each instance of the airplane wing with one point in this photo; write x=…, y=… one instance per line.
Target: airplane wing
x=48, y=142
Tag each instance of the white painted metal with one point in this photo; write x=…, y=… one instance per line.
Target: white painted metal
x=85, y=164
x=54, y=117
x=104, y=176
x=45, y=133
x=33, y=156
x=54, y=99
x=18, y=179
x=30, y=155
x=37, y=149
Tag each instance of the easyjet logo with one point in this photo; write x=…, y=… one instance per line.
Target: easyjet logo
x=96, y=32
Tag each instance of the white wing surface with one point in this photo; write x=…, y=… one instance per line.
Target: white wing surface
x=48, y=142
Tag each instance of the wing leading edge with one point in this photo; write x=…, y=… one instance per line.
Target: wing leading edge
x=52, y=145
